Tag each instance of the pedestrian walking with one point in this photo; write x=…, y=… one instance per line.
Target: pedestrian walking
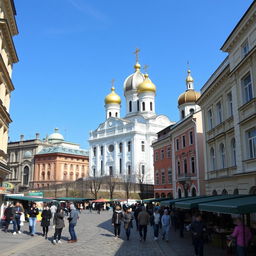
x=73, y=217
x=18, y=210
x=116, y=220
x=156, y=223
x=9, y=216
x=136, y=213
x=243, y=235
x=53, y=209
x=181, y=220
x=143, y=221
x=165, y=220
x=198, y=229
x=32, y=212
x=59, y=224
x=128, y=217
x=46, y=220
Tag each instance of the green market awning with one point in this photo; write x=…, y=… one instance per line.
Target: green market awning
x=194, y=203
x=28, y=198
x=151, y=200
x=72, y=199
x=242, y=205
x=173, y=201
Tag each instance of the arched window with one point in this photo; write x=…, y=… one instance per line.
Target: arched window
x=191, y=111
x=193, y=192
x=120, y=147
x=116, y=114
x=129, y=146
x=163, y=195
x=185, y=166
x=48, y=175
x=138, y=105
x=120, y=165
x=143, y=146
x=212, y=159
x=236, y=191
x=233, y=151
x=25, y=175
x=110, y=170
x=169, y=195
x=253, y=190
x=156, y=195
x=182, y=114
x=224, y=192
x=151, y=106
x=193, y=168
x=109, y=114
x=143, y=106
x=214, y=193
x=130, y=106
x=43, y=175
x=222, y=155
x=179, y=193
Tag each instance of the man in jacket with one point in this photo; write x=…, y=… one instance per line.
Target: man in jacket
x=73, y=217
x=143, y=221
x=32, y=212
x=18, y=210
x=9, y=216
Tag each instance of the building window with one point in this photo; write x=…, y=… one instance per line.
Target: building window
x=101, y=167
x=230, y=104
x=210, y=120
x=178, y=167
x=143, y=106
x=184, y=141
x=247, y=88
x=156, y=156
x=129, y=146
x=143, y=169
x=111, y=148
x=162, y=154
x=48, y=175
x=222, y=155
x=182, y=114
x=185, y=166
x=169, y=152
x=129, y=170
x=251, y=134
x=94, y=172
x=94, y=151
x=138, y=105
x=163, y=177
x=109, y=114
x=157, y=177
x=43, y=175
x=219, y=112
x=101, y=150
x=212, y=158
x=191, y=111
x=151, y=106
x=233, y=151
x=170, y=176
x=191, y=138
x=111, y=170
x=177, y=144
x=193, y=167
x=143, y=146
x=245, y=48
x=120, y=147
x=130, y=106
x=25, y=175
x=116, y=114
x=120, y=165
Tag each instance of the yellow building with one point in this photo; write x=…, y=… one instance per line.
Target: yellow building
x=8, y=56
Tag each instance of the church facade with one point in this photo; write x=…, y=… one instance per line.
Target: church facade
x=121, y=147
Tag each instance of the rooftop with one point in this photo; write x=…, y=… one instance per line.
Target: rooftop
x=63, y=150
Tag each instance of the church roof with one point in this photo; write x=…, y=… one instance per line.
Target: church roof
x=63, y=150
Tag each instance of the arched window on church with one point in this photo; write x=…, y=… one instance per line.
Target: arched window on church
x=151, y=106
x=138, y=105
x=182, y=114
x=129, y=146
x=130, y=106
x=109, y=114
x=25, y=175
x=116, y=114
x=143, y=106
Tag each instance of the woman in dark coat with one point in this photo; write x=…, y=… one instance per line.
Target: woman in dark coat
x=59, y=224
x=46, y=219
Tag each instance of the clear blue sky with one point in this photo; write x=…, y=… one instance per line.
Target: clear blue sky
x=69, y=51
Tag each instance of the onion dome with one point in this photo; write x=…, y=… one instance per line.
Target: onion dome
x=190, y=96
x=113, y=98
x=56, y=136
x=146, y=85
x=132, y=81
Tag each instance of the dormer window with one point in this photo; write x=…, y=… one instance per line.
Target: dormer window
x=245, y=48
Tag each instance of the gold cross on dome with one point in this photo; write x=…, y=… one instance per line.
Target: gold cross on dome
x=137, y=54
x=146, y=68
x=113, y=82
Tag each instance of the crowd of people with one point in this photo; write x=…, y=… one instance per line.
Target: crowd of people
x=161, y=219
x=51, y=215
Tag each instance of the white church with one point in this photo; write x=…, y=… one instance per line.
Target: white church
x=121, y=147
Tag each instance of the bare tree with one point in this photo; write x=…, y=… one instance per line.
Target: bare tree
x=111, y=183
x=95, y=185
x=127, y=185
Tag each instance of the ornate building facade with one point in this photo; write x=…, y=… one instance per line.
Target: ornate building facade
x=8, y=57
x=228, y=104
x=121, y=146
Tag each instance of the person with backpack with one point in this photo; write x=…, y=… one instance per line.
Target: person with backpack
x=116, y=221
x=58, y=222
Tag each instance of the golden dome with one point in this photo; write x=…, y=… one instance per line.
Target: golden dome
x=146, y=85
x=113, y=98
x=188, y=96
x=189, y=77
x=137, y=66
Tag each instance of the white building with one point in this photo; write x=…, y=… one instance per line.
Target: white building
x=122, y=146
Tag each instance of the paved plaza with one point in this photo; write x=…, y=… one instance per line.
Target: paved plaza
x=95, y=237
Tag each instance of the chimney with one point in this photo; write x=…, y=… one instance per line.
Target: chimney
x=21, y=137
x=37, y=136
